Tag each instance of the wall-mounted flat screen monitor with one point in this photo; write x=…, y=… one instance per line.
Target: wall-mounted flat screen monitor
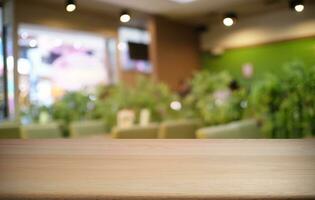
x=138, y=51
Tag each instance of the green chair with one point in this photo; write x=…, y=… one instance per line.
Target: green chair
x=86, y=128
x=136, y=132
x=9, y=130
x=234, y=130
x=182, y=129
x=49, y=130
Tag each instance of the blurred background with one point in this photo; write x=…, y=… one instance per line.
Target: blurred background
x=157, y=69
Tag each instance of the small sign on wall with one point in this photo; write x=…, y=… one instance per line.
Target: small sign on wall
x=248, y=70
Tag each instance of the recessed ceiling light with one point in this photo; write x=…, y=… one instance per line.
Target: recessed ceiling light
x=125, y=16
x=229, y=19
x=296, y=5
x=70, y=5
x=183, y=1
x=299, y=8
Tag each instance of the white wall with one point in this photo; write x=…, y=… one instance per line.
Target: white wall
x=269, y=27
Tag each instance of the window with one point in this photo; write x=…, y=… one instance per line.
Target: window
x=53, y=62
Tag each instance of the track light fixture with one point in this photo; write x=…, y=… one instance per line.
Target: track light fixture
x=297, y=5
x=70, y=5
x=124, y=16
x=229, y=19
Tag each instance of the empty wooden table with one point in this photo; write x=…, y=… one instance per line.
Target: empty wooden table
x=157, y=169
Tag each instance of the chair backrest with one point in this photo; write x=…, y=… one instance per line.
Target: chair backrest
x=86, y=128
x=234, y=130
x=182, y=129
x=9, y=130
x=136, y=132
x=49, y=130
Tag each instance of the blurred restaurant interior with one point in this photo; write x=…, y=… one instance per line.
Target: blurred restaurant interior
x=157, y=99
x=139, y=69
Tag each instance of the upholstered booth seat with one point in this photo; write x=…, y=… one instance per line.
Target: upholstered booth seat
x=181, y=129
x=239, y=129
x=136, y=132
x=49, y=130
x=9, y=130
x=86, y=128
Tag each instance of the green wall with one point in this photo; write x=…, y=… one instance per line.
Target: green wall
x=264, y=58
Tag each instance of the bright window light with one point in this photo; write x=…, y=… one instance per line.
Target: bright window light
x=33, y=43
x=122, y=46
x=24, y=66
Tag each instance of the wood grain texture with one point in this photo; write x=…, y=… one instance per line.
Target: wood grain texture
x=157, y=169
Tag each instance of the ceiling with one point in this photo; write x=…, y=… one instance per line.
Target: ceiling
x=198, y=12
x=172, y=8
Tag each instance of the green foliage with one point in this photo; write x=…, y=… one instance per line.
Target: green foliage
x=145, y=94
x=205, y=83
x=73, y=106
x=108, y=100
x=205, y=101
x=31, y=113
x=286, y=103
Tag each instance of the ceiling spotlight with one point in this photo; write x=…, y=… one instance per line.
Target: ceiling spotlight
x=296, y=5
x=70, y=5
x=229, y=19
x=125, y=16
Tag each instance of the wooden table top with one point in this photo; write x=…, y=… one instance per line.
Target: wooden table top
x=157, y=169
